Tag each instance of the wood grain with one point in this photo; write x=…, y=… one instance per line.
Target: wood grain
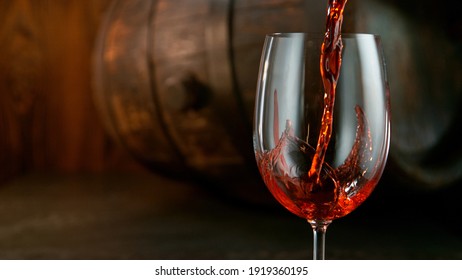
x=47, y=118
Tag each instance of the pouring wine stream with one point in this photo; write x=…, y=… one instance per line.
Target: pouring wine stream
x=330, y=62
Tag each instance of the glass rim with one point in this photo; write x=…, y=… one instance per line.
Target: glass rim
x=320, y=34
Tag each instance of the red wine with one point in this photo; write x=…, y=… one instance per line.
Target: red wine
x=317, y=191
x=335, y=193
x=330, y=62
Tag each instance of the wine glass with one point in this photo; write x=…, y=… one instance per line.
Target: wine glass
x=321, y=153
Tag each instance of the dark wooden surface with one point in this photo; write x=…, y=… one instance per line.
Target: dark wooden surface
x=144, y=216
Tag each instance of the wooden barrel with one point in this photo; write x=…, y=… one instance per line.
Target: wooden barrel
x=175, y=80
x=175, y=84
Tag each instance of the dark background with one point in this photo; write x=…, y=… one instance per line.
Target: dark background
x=69, y=189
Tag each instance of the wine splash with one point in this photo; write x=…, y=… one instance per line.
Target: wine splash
x=335, y=193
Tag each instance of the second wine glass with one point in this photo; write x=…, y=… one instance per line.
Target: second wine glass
x=321, y=154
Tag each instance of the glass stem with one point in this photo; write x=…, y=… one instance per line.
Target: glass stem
x=319, y=238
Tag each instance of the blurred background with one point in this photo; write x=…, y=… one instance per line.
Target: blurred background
x=125, y=131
